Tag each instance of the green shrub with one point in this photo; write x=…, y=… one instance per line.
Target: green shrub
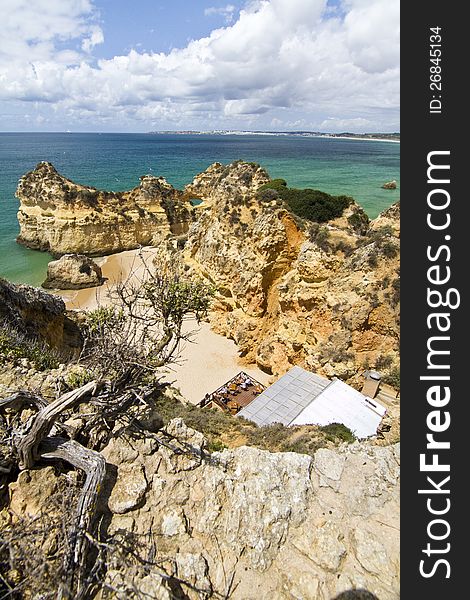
x=268, y=195
x=389, y=249
x=275, y=184
x=359, y=221
x=246, y=178
x=319, y=236
x=395, y=299
x=379, y=234
x=77, y=379
x=331, y=352
x=385, y=282
x=392, y=378
x=313, y=205
x=216, y=446
x=14, y=346
x=344, y=247
x=338, y=432
x=373, y=259
x=276, y=437
x=383, y=362
x=102, y=318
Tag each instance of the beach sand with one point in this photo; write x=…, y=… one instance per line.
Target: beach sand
x=115, y=268
x=207, y=363
x=204, y=364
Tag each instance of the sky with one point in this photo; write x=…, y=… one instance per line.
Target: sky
x=203, y=65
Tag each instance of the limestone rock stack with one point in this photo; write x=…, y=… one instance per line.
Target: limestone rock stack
x=73, y=272
x=61, y=216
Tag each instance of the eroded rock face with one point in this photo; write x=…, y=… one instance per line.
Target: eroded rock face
x=61, y=216
x=278, y=525
x=37, y=315
x=327, y=300
x=73, y=272
x=282, y=525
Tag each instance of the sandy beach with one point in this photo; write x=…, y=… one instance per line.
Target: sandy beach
x=204, y=364
x=115, y=268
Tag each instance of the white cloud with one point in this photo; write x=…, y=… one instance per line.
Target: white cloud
x=224, y=11
x=96, y=37
x=288, y=60
x=35, y=30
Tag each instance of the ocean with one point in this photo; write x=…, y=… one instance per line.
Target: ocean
x=353, y=167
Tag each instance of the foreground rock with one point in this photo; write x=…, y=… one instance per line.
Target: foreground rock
x=246, y=523
x=73, y=272
x=36, y=315
x=60, y=216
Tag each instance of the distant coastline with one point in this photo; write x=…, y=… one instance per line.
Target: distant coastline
x=373, y=137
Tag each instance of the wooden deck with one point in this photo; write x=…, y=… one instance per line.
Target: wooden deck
x=234, y=395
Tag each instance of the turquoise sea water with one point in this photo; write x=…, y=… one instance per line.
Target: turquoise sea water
x=116, y=161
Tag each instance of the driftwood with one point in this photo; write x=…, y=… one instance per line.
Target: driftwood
x=33, y=442
x=15, y=402
x=94, y=465
x=44, y=420
x=18, y=399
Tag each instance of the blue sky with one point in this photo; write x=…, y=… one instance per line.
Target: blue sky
x=153, y=25
x=121, y=65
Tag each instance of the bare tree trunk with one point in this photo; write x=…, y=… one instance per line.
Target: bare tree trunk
x=44, y=420
x=35, y=444
x=94, y=465
x=17, y=400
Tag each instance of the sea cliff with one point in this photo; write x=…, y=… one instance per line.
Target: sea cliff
x=291, y=291
x=60, y=216
x=318, y=291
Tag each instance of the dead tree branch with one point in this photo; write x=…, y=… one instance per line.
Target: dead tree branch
x=94, y=466
x=44, y=420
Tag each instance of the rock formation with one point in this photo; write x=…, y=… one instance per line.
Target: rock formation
x=72, y=272
x=245, y=523
x=390, y=185
x=60, y=216
x=35, y=315
x=290, y=291
x=293, y=292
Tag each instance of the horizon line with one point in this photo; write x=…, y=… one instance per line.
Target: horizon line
x=218, y=131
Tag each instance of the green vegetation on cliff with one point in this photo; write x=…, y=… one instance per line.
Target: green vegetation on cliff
x=313, y=205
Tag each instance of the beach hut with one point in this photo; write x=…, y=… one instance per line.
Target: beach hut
x=303, y=398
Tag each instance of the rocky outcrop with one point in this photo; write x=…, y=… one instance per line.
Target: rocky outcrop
x=390, y=185
x=35, y=315
x=325, y=297
x=236, y=179
x=289, y=291
x=245, y=523
x=73, y=272
x=60, y=216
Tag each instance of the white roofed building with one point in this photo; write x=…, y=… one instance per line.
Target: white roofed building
x=303, y=398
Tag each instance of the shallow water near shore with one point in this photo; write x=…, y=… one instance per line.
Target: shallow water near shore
x=353, y=167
